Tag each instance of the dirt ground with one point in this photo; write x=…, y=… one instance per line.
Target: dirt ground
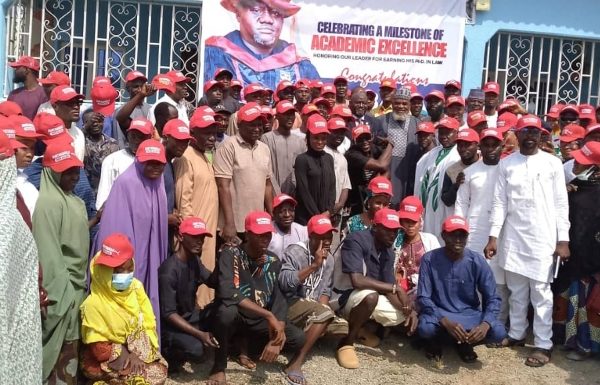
x=396, y=362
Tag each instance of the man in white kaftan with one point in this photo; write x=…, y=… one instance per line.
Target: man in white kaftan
x=531, y=210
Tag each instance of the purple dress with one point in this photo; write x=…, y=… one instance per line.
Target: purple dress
x=137, y=207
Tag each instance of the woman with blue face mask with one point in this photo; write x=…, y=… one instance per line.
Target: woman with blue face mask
x=118, y=325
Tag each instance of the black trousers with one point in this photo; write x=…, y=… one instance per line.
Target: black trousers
x=228, y=322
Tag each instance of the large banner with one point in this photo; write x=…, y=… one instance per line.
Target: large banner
x=267, y=41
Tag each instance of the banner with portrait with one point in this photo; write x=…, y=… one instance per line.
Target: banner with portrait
x=266, y=41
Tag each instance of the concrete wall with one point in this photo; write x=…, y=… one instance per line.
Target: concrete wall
x=574, y=18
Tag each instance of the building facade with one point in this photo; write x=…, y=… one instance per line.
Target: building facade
x=540, y=54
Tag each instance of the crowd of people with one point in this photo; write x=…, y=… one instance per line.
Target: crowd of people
x=253, y=222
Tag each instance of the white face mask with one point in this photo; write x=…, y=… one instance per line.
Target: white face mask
x=586, y=174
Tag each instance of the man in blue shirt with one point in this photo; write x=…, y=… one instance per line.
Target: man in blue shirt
x=254, y=53
x=368, y=288
x=450, y=279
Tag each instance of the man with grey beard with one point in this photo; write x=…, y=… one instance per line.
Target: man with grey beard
x=400, y=128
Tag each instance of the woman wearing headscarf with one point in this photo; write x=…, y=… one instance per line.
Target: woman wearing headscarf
x=118, y=324
x=20, y=340
x=577, y=303
x=137, y=207
x=60, y=229
x=315, y=174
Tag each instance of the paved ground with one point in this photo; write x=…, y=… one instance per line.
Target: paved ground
x=395, y=362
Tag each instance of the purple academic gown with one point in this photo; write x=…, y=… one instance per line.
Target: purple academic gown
x=137, y=208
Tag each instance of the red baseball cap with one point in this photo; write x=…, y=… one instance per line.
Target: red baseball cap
x=52, y=129
x=203, y=110
x=142, y=125
x=135, y=75
x=340, y=79
x=7, y=127
x=116, y=250
x=178, y=76
x=212, y=83
x=281, y=199
x=194, y=226
x=491, y=133
x=492, y=87
x=572, y=132
x=455, y=99
x=455, y=222
x=259, y=222
x=309, y=109
x=436, y=94
x=235, y=83
x=253, y=88
x=151, y=149
x=64, y=94
x=220, y=71
x=283, y=85
x=468, y=135
x=58, y=78
x=592, y=128
x=529, y=121
x=588, y=154
x=302, y=83
x=103, y=99
x=316, y=83
x=164, y=82
x=427, y=127
x=26, y=61
x=6, y=149
x=59, y=156
x=555, y=110
x=388, y=83
x=587, y=111
x=341, y=111
x=380, y=185
x=415, y=95
x=320, y=224
x=24, y=128
x=327, y=88
x=336, y=123
x=475, y=117
x=177, y=129
x=249, y=113
x=506, y=121
x=411, y=208
x=453, y=83
x=202, y=120
x=448, y=122
x=316, y=124
x=98, y=80
x=569, y=107
x=267, y=112
x=9, y=108
x=388, y=218
x=284, y=106
x=507, y=105
x=360, y=130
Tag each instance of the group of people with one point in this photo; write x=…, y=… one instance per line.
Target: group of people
x=254, y=222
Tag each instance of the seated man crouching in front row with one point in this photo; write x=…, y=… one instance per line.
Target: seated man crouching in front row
x=449, y=281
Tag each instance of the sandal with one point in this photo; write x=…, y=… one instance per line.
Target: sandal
x=295, y=377
x=346, y=357
x=466, y=353
x=245, y=361
x=506, y=343
x=538, y=358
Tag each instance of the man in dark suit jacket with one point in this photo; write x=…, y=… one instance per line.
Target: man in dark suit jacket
x=359, y=106
x=400, y=128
